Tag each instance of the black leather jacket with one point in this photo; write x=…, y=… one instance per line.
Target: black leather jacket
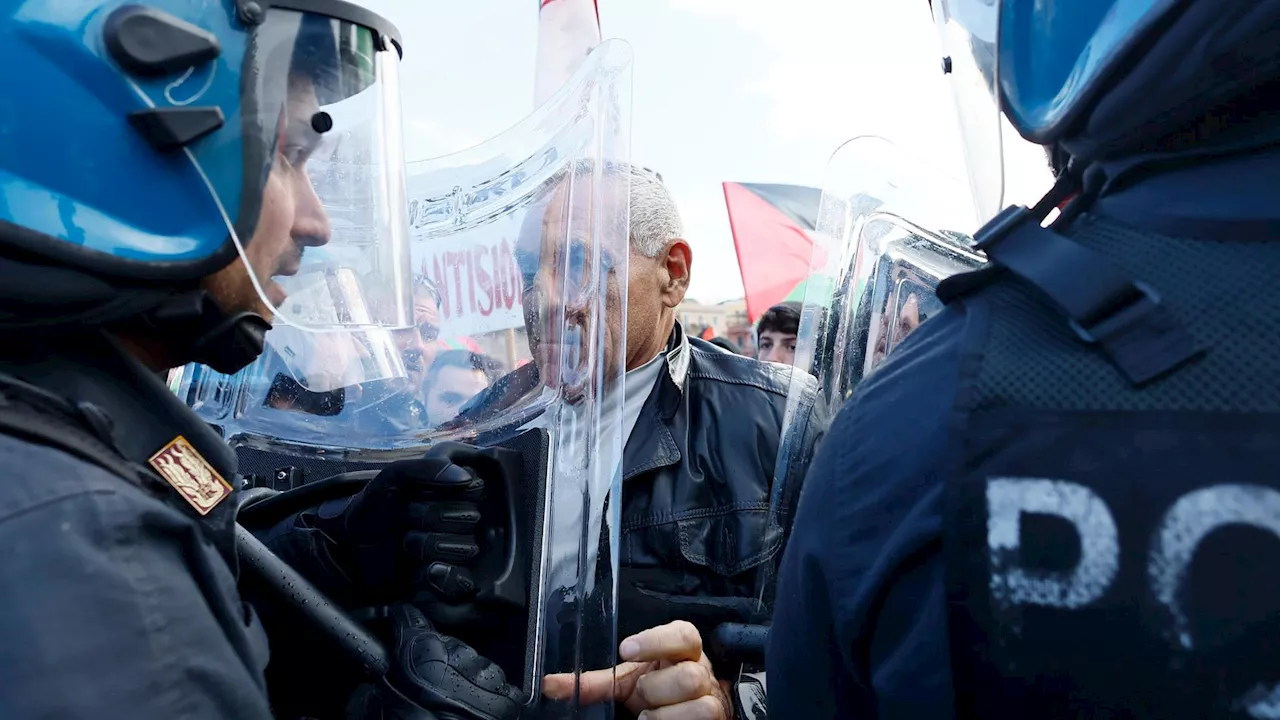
x=702, y=522
x=700, y=533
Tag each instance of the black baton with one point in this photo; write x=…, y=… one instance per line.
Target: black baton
x=294, y=591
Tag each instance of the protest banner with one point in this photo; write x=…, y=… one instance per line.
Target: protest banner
x=477, y=276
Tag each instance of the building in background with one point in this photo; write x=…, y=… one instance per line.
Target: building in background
x=727, y=319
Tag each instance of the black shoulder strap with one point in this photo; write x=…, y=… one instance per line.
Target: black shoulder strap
x=30, y=413
x=1104, y=305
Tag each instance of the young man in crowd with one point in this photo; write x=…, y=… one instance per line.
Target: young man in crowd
x=776, y=333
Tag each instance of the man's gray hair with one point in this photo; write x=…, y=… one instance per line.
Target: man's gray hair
x=655, y=221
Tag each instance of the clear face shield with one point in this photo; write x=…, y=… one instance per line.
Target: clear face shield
x=515, y=338
x=322, y=216
x=1003, y=168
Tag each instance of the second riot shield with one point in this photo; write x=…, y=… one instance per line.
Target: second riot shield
x=889, y=230
x=519, y=259
x=894, y=228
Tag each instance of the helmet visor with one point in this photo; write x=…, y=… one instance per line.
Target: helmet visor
x=968, y=32
x=323, y=223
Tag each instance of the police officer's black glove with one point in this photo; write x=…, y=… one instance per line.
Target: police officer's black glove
x=411, y=533
x=434, y=676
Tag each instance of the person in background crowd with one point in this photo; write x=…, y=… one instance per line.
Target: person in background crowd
x=894, y=330
x=418, y=347
x=405, y=405
x=455, y=377
x=776, y=333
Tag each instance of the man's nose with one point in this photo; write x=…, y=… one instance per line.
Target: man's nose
x=550, y=302
x=310, y=221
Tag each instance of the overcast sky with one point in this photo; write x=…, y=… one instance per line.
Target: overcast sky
x=724, y=90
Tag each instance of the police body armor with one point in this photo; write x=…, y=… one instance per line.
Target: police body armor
x=1113, y=520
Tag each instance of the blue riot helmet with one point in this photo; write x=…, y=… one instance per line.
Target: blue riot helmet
x=202, y=168
x=1092, y=80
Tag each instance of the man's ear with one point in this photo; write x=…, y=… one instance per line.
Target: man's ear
x=677, y=260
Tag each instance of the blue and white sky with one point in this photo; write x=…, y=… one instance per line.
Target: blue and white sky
x=724, y=90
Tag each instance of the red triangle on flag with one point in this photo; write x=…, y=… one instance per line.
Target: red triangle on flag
x=774, y=253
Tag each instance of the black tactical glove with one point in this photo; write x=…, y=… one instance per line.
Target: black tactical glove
x=412, y=531
x=434, y=677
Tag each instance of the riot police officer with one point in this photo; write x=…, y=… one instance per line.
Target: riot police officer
x=320, y=413
x=172, y=174
x=1057, y=497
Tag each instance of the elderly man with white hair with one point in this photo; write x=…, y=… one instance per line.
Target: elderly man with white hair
x=702, y=429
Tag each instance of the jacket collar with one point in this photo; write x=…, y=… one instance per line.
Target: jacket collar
x=652, y=443
x=678, y=353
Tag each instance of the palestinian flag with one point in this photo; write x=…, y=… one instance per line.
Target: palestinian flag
x=773, y=229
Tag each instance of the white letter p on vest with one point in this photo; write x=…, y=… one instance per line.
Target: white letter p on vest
x=1007, y=500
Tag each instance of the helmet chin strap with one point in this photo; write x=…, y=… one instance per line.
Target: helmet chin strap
x=234, y=343
x=183, y=323
x=195, y=329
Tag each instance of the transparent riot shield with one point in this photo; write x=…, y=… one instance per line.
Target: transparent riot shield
x=894, y=229
x=519, y=252
x=889, y=230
